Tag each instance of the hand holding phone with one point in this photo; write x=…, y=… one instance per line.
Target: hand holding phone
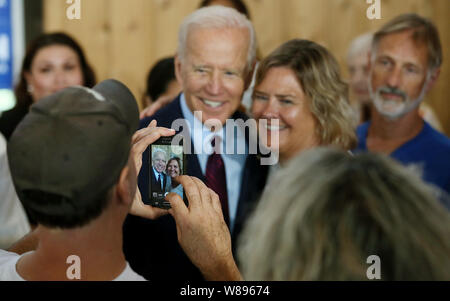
x=167, y=162
x=140, y=142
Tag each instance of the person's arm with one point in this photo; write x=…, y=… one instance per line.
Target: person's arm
x=27, y=243
x=161, y=102
x=202, y=231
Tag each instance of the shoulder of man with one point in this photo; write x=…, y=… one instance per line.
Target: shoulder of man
x=165, y=116
x=437, y=136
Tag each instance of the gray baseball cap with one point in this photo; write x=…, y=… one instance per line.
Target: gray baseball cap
x=73, y=144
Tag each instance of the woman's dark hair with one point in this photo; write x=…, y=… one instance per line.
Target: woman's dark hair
x=24, y=98
x=239, y=5
x=159, y=78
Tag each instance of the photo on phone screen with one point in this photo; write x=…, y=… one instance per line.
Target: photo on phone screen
x=166, y=163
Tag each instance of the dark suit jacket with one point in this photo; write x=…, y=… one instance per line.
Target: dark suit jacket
x=155, y=186
x=151, y=247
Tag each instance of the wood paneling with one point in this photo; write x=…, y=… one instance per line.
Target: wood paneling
x=123, y=38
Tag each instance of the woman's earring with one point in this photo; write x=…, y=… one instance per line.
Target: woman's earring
x=30, y=88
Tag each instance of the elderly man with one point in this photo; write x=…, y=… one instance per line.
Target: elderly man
x=215, y=57
x=405, y=62
x=160, y=181
x=357, y=63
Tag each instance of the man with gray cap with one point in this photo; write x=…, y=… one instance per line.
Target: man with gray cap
x=74, y=170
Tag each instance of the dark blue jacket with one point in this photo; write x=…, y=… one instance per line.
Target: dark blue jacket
x=151, y=247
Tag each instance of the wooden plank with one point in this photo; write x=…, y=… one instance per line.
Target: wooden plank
x=124, y=38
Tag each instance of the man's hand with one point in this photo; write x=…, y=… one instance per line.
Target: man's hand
x=141, y=140
x=162, y=101
x=202, y=231
x=27, y=243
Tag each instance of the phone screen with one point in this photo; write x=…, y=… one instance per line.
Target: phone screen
x=167, y=161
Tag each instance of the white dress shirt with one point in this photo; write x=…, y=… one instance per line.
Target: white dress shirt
x=234, y=163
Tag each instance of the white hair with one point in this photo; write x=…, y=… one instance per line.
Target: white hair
x=360, y=44
x=218, y=17
x=158, y=150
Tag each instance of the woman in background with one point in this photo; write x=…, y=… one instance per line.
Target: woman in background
x=52, y=62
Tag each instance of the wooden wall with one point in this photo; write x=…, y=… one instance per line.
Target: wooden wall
x=123, y=38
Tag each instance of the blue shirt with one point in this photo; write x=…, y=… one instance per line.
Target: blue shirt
x=429, y=150
x=234, y=163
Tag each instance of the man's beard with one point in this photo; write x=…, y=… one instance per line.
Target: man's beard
x=394, y=109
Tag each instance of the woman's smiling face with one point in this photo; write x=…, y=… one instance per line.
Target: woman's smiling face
x=173, y=169
x=280, y=97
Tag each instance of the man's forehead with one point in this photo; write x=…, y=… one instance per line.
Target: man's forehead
x=227, y=51
x=235, y=37
x=402, y=46
x=159, y=155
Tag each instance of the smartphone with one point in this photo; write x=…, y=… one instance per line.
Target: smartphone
x=167, y=160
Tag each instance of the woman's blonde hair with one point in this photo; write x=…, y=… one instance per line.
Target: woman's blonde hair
x=318, y=74
x=328, y=211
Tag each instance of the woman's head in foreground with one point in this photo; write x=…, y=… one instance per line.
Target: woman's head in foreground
x=328, y=211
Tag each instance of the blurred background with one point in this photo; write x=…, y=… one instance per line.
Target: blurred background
x=124, y=38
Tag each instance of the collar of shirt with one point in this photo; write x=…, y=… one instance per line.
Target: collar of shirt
x=156, y=173
x=200, y=134
x=234, y=162
x=202, y=137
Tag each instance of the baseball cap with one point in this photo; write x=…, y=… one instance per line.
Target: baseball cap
x=73, y=144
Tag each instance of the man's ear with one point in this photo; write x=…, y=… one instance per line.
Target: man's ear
x=369, y=61
x=249, y=77
x=124, y=189
x=432, y=79
x=178, y=71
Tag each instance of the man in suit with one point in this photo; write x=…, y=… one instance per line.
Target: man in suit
x=405, y=62
x=160, y=181
x=214, y=62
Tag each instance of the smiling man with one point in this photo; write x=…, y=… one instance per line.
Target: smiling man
x=160, y=181
x=215, y=57
x=405, y=62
